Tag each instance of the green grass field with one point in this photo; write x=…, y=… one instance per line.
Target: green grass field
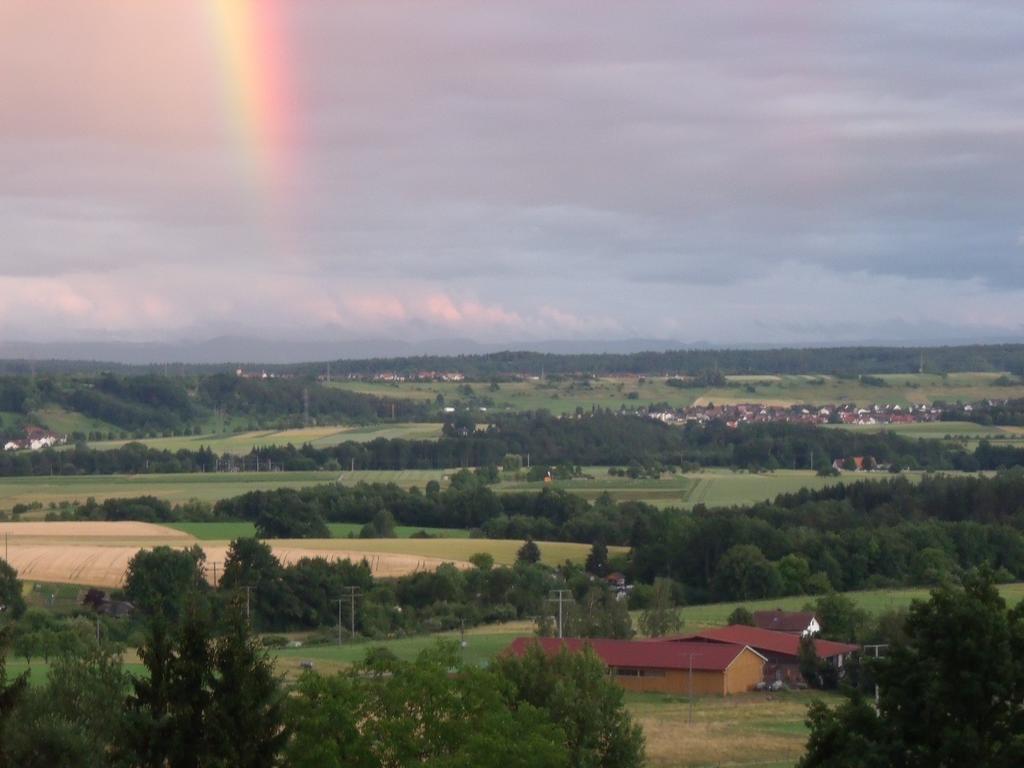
x=712, y=487
x=62, y=421
x=565, y=396
x=480, y=648
x=321, y=437
x=872, y=601
x=230, y=531
x=963, y=433
x=179, y=488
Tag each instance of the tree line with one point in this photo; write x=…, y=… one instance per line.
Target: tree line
x=600, y=438
x=840, y=361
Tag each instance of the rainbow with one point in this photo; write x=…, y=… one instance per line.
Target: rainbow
x=248, y=36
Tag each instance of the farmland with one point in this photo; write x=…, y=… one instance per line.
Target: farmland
x=873, y=602
x=564, y=395
x=229, y=531
x=320, y=437
x=712, y=487
x=966, y=433
x=98, y=553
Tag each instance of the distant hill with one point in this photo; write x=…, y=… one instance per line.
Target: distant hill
x=479, y=361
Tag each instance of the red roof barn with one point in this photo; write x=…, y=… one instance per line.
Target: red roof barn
x=664, y=666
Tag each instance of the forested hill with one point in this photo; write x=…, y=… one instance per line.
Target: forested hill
x=150, y=405
x=838, y=361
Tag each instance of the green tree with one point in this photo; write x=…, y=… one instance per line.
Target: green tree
x=574, y=691
x=794, y=572
x=10, y=692
x=12, y=603
x=394, y=714
x=162, y=580
x=245, y=718
x=740, y=615
x=840, y=617
x=599, y=614
x=528, y=553
x=950, y=694
x=75, y=718
x=744, y=573
x=661, y=617
x=597, y=559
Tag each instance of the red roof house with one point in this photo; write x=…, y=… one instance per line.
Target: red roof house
x=781, y=649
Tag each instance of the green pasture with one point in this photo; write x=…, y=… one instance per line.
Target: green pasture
x=231, y=531
x=873, y=602
x=64, y=422
x=178, y=488
x=321, y=437
x=564, y=395
x=712, y=487
x=480, y=648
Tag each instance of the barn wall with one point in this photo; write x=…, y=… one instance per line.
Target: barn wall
x=673, y=681
x=746, y=671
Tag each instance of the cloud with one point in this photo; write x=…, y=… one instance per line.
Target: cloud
x=511, y=170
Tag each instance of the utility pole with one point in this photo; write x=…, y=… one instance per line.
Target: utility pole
x=874, y=654
x=339, y=601
x=689, y=719
x=305, y=406
x=352, y=594
x=248, y=590
x=560, y=596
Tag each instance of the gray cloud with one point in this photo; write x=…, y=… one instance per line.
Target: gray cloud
x=511, y=170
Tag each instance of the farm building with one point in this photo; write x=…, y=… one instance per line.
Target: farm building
x=790, y=622
x=664, y=667
x=781, y=650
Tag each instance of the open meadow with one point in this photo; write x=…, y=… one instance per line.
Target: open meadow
x=178, y=488
x=964, y=433
x=873, y=602
x=711, y=487
x=565, y=394
x=321, y=437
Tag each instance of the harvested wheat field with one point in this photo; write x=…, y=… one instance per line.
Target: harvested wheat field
x=98, y=553
x=89, y=532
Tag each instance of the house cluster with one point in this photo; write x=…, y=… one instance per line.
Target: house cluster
x=733, y=415
x=244, y=374
x=720, y=661
x=391, y=377
x=35, y=439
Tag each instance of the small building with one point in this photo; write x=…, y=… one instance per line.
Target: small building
x=660, y=666
x=781, y=650
x=791, y=622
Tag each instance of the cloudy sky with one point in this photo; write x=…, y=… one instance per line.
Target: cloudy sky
x=790, y=171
